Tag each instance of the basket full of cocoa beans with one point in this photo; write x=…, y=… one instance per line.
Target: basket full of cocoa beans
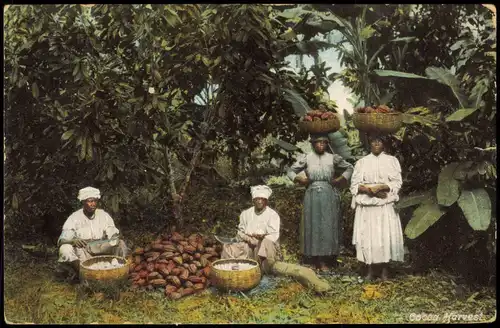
x=319, y=121
x=377, y=119
x=176, y=263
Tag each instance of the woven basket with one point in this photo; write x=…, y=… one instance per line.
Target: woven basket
x=378, y=122
x=238, y=280
x=321, y=126
x=116, y=274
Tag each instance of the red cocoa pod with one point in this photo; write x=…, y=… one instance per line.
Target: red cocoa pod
x=198, y=286
x=195, y=279
x=167, y=255
x=197, y=256
x=187, y=291
x=307, y=118
x=188, y=284
x=177, y=236
x=183, y=242
x=197, y=263
x=162, y=261
x=170, y=288
x=143, y=274
x=177, y=259
x=185, y=265
x=158, y=282
x=138, y=251
x=184, y=274
x=150, y=267
x=185, y=257
x=166, y=242
x=171, y=265
x=141, y=282
x=206, y=271
x=164, y=272
x=153, y=275
x=151, y=255
x=158, y=247
x=174, y=296
x=133, y=275
x=138, y=268
x=193, y=242
x=180, y=249
x=170, y=248
x=137, y=259
x=189, y=249
x=176, y=271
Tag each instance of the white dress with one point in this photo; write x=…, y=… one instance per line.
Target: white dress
x=377, y=233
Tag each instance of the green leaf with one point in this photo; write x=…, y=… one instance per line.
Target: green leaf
x=460, y=114
x=217, y=61
x=285, y=145
x=413, y=119
x=206, y=61
x=445, y=77
x=34, y=90
x=404, y=39
x=389, y=73
x=367, y=32
x=298, y=103
x=66, y=135
x=448, y=189
x=424, y=216
x=476, y=205
x=462, y=169
x=414, y=199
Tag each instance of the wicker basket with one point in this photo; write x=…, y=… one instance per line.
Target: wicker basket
x=116, y=274
x=238, y=280
x=378, y=122
x=322, y=126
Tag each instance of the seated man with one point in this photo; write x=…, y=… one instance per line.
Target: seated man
x=258, y=232
x=86, y=225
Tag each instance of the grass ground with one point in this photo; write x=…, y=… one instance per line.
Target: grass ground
x=33, y=295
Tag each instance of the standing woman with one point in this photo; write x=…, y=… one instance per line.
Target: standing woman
x=322, y=212
x=377, y=232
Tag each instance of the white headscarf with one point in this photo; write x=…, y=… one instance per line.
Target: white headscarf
x=261, y=192
x=88, y=192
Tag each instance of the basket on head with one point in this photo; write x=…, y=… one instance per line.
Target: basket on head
x=384, y=123
x=235, y=280
x=116, y=274
x=321, y=126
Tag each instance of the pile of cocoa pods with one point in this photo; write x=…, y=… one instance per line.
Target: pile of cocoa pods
x=179, y=265
x=374, y=109
x=319, y=115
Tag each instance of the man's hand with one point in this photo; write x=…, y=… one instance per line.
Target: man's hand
x=340, y=182
x=365, y=190
x=259, y=237
x=381, y=194
x=80, y=243
x=253, y=241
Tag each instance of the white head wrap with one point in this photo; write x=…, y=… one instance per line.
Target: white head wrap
x=88, y=192
x=261, y=192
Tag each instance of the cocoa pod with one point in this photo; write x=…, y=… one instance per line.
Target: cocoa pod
x=158, y=282
x=184, y=274
x=200, y=247
x=185, y=257
x=193, y=243
x=175, y=280
x=152, y=255
x=150, y=267
x=133, y=275
x=162, y=261
x=191, y=258
x=147, y=248
x=166, y=242
x=192, y=236
x=192, y=268
x=157, y=266
x=138, y=268
x=153, y=275
x=171, y=265
x=160, y=266
x=141, y=282
x=185, y=265
x=188, y=284
x=174, y=296
x=180, y=248
x=209, y=250
x=170, y=289
x=197, y=263
x=195, y=279
x=177, y=259
x=197, y=256
x=167, y=255
x=187, y=291
x=189, y=249
x=183, y=243
x=198, y=286
x=170, y=248
x=143, y=274
x=203, y=280
x=164, y=272
x=176, y=271
x=177, y=236
x=204, y=261
x=206, y=271
x=138, y=251
x=158, y=247
x=137, y=259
